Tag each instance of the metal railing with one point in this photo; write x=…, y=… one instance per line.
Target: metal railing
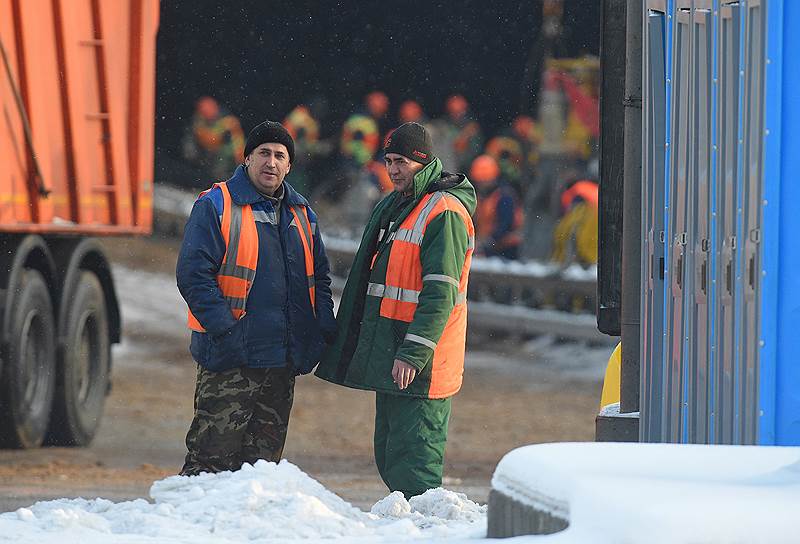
x=517, y=298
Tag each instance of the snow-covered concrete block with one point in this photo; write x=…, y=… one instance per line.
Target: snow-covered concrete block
x=626, y=492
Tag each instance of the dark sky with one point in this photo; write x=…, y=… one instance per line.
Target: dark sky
x=261, y=58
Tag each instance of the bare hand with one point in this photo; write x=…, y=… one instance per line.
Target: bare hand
x=403, y=373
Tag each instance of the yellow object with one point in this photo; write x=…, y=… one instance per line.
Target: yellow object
x=610, y=393
x=578, y=227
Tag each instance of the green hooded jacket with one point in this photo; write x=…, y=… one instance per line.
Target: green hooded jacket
x=367, y=343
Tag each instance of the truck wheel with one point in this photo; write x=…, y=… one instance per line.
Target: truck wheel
x=83, y=369
x=29, y=373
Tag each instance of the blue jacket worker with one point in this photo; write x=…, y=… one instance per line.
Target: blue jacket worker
x=254, y=273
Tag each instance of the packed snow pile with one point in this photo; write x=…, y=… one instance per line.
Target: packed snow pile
x=671, y=493
x=265, y=502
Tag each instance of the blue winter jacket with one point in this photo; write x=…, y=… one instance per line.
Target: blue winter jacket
x=278, y=327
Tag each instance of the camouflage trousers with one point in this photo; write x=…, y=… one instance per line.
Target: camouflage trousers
x=241, y=415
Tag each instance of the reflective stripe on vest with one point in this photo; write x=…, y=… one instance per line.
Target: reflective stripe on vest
x=403, y=286
x=238, y=269
x=304, y=228
x=404, y=279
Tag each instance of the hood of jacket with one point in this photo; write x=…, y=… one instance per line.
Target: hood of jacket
x=433, y=178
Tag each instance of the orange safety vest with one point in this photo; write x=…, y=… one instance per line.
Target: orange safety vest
x=238, y=269
x=403, y=284
x=486, y=215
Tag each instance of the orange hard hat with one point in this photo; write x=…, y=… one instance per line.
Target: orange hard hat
x=377, y=103
x=484, y=169
x=456, y=105
x=523, y=126
x=207, y=107
x=410, y=111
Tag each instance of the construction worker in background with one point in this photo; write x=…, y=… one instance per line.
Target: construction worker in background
x=526, y=131
x=360, y=143
x=575, y=235
x=402, y=318
x=508, y=153
x=215, y=143
x=304, y=130
x=253, y=270
x=499, y=218
x=457, y=136
x=411, y=112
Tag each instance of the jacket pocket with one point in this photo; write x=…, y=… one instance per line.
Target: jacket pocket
x=227, y=350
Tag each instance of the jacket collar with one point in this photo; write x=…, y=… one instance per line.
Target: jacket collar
x=243, y=192
x=422, y=178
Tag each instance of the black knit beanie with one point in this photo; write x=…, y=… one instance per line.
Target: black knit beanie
x=269, y=132
x=412, y=141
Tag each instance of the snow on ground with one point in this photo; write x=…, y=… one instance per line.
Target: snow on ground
x=264, y=502
x=670, y=493
x=150, y=301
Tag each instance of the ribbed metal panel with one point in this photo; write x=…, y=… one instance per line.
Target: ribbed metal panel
x=696, y=368
x=749, y=266
x=704, y=70
x=677, y=217
x=724, y=334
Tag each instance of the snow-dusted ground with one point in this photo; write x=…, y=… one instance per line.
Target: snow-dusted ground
x=260, y=503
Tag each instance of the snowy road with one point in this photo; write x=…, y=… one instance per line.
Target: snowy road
x=513, y=395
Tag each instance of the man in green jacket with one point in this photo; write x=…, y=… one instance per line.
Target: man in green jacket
x=402, y=317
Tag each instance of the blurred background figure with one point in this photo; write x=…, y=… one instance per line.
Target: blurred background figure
x=499, y=217
x=304, y=129
x=575, y=235
x=411, y=112
x=509, y=155
x=360, y=182
x=526, y=132
x=457, y=138
x=214, y=144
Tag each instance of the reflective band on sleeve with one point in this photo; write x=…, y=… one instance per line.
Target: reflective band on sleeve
x=461, y=298
x=471, y=243
x=420, y=340
x=440, y=277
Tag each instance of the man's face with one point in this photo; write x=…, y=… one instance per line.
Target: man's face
x=401, y=171
x=267, y=165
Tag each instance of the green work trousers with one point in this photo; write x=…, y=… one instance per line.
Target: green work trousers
x=410, y=436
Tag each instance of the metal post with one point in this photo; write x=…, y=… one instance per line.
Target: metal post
x=632, y=206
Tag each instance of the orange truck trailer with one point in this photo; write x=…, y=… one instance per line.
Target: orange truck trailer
x=77, y=89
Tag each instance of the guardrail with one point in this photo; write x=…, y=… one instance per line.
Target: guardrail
x=519, y=298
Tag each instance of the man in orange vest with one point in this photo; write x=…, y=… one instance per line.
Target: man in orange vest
x=254, y=273
x=402, y=318
x=499, y=218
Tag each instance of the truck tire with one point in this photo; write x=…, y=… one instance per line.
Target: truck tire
x=83, y=366
x=28, y=382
